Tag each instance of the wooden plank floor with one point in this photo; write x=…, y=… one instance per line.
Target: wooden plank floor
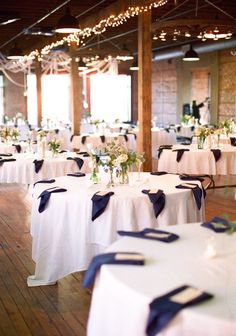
x=61, y=309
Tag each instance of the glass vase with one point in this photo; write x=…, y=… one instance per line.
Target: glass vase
x=200, y=142
x=111, y=182
x=124, y=176
x=94, y=178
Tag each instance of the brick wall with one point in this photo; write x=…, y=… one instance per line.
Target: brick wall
x=227, y=85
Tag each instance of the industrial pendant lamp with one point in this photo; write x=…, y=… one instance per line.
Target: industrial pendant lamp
x=134, y=66
x=191, y=55
x=15, y=53
x=82, y=65
x=67, y=24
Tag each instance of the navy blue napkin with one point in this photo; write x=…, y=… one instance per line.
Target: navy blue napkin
x=178, y=128
x=164, y=308
x=233, y=141
x=45, y=181
x=167, y=130
x=6, y=160
x=180, y=153
x=5, y=154
x=77, y=174
x=197, y=192
x=18, y=148
x=160, y=235
x=112, y=258
x=157, y=199
x=38, y=165
x=186, y=177
x=45, y=196
x=56, y=130
x=71, y=138
x=83, y=139
x=125, y=137
x=81, y=153
x=159, y=173
x=99, y=203
x=103, y=139
x=78, y=160
x=192, y=128
x=216, y=153
x=217, y=224
x=63, y=151
x=161, y=148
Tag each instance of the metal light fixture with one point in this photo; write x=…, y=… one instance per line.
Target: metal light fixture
x=191, y=55
x=67, y=24
x=82, y=65
x=15, y=53
x=134, y=66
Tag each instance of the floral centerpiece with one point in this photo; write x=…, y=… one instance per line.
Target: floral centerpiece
x=54, y=146
x=226, y=126
x=15, y=134
x=202, y=133
x=5, y=134
x=116, y=158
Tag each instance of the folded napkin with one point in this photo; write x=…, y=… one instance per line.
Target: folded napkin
x=112, y=258
x=77, y=174
x=56, y=130
x=186, y=177
x=157, y=198
x=159, y=173
x=45, y=181
x=233, y=141
x=103, y=139
x=45, y=196
x=196, y=190
x=192, y=128
x=71, y=138
x=125, y=137
x=5, y=154
x=18, y=148
x=78, y=160
x=38, y=165
x=164, y=308
x=216, y=153
x=6, y=160
x=161, y=148
x=100, y=201
x=160, y=235
x=167, y=130
x=178, y=128
x=81, y=153
x=180, y=153
x=217, y=224
x=83, y=139
x=63, y=151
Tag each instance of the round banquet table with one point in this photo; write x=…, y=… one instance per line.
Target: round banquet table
x=64, y=236
x=95, y=140
x=23, y=170
x=199, y=161
x=122, y=294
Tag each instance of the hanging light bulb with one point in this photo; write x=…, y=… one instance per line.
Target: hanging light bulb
x=67, y=24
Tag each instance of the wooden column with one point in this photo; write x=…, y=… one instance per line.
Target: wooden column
x=76, y=101
x=38, y=73
x=144, y=87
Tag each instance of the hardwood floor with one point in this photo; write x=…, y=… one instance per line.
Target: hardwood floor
x=61, y=309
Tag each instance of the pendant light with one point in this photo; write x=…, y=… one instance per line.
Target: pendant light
x=191, y=55
x=67, y=24
x=15, y=53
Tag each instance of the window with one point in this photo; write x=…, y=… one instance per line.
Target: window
x=110, y=97
x=55, y=98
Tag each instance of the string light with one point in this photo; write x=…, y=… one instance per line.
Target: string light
x=111, y=21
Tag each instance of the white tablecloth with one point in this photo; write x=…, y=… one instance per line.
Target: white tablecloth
x=23, y=170
x=65, y=238
x=121, y=295
x=199, y=161
x=95, y=140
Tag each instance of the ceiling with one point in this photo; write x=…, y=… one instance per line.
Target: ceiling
x=175, y=18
